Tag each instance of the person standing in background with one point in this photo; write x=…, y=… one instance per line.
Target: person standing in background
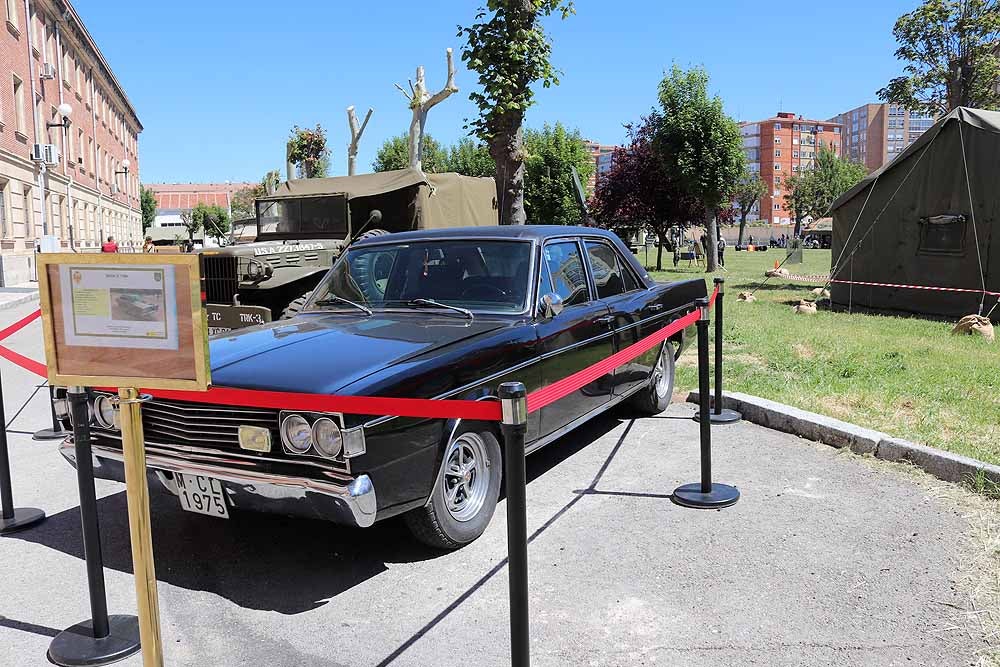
x=109, y=245
x=722, y=250
x=148, y=245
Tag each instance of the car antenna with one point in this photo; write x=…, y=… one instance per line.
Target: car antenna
x=374, y=217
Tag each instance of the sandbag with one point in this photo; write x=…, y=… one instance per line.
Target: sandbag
x=804, y=307
x=777, y=273
x=975, y=325
x=821, y=293
x=745, y=296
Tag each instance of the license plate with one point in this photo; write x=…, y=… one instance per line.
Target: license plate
x=202, y=495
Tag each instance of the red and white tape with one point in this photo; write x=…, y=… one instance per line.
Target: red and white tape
x=932, y=288
x=398, y=407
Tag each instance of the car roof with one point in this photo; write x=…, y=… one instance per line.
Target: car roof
x=513, y=232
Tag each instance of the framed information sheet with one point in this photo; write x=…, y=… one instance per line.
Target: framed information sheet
x=123, y=320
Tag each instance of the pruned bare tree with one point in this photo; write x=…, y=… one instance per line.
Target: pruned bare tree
x=421, y=102
x=356, y=131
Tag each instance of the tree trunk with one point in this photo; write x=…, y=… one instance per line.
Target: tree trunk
x=712, y=242
x=798, y=227
x=743, y=227
x=506, y=151
x=660, y=239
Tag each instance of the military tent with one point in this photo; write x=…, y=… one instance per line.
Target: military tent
x=928, y=219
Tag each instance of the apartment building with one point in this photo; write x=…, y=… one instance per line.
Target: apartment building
x=69, y=153
x=874, y=134
x=174, y=199
x=602, y=155
x=780, y=147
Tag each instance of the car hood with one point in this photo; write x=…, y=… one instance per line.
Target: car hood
x=321, y=353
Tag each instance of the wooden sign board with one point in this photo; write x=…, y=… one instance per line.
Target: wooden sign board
x=129, y=320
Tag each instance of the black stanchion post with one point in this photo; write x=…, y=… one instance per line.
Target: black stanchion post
x=705, y=495
x=12, y=519
x=57, y=432
x=513, y=402
x=101, y=639
x=720, y=415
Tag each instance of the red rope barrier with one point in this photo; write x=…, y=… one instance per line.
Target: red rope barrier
x=398, y=407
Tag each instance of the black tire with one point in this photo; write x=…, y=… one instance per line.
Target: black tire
x=438, y=526
x=655, y=397
x=370, y=234
x=294, y=307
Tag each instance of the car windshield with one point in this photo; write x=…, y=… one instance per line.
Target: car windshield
x=489, y=276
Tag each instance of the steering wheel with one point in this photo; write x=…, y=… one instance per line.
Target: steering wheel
x=483, y=291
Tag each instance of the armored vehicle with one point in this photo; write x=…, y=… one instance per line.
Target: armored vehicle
x=306, y=223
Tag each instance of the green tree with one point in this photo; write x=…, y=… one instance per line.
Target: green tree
x=952, y=59
x=548, y=191
x=395, y=154
x=242, y=201
x=147, y=202
x=270, y=181
x=471, y=158
x=701, y=144
x=213, y=219
x=307, y=150
x=508, y=48
x=749, y=189
x=812, y=192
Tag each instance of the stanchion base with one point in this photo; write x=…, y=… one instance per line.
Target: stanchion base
x=51, y=434
x=77, y=646
x=727, y=416
x=690, y=495
x=24, y=517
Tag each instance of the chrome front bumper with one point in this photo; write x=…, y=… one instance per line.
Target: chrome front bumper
x=351, y=502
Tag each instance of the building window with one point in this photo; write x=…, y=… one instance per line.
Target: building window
x=4, y=231
x=29, y=217
x=19, y=122
x=795, y=127
x=777, y=167
x=777, y=180
x=777, y=193
x=81, y=157
x=12, y=13
x=777, y=126
x=777, y=206
x=795, y=153
x=777, y=140
x=777, y=152
x=795, y=141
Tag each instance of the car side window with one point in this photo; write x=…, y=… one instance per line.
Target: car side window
x=606, y=269
x=564, y=272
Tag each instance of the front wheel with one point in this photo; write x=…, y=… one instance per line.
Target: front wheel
x=655, y=396
x=465, y=492
x=295, y=306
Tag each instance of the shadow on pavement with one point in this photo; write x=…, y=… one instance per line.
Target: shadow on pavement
x=259, y=561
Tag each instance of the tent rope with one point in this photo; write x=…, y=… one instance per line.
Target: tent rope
x=972, y=216
x=836, y=270
x=836, y=264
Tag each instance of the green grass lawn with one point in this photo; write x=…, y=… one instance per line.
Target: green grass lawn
x=905, y=376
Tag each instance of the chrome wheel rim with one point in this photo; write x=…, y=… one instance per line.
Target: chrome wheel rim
x=662, y=380
x=466, y=476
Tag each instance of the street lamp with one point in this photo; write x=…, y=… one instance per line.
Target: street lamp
x=65, y=110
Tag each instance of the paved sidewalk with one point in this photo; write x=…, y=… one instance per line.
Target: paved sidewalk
x=16, y=295
x=829, y=559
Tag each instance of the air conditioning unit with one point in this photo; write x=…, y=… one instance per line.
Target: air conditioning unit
x=48, y=71
x=51, y=153
x=38, y=152
x=114, y=188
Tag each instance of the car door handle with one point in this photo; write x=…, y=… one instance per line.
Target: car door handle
x=656, y=307
x=607, y=319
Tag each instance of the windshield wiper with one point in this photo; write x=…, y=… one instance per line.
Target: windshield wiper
x=332, y=298
x=437, y=304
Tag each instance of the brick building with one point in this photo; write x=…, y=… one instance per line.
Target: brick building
x=602, y=154
x=173, y=199
x=72, y=176
x=780, y=147
x=874, y=134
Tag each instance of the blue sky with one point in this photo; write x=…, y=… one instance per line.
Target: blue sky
x=218, y=84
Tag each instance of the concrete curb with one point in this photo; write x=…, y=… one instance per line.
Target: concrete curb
x=780, y=417
x=17, y=300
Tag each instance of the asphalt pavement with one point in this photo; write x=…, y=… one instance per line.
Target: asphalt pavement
x=828, y=559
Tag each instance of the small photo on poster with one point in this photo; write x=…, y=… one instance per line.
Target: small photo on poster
x=119, y=306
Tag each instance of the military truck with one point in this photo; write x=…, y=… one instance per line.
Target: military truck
x=306, y=223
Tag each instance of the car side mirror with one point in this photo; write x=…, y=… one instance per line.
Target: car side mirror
x=551, y=305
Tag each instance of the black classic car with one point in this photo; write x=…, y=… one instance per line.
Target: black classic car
x=426, y=314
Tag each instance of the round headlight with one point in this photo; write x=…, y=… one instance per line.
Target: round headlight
x=296, y=434
x=254, y=270
x=327, y=438
x=104, y=412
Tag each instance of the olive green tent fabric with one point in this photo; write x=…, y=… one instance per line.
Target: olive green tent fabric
x=911, y=223
x=407, y=199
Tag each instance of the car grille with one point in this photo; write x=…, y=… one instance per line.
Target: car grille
x=196, y=424
x=221, y=279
